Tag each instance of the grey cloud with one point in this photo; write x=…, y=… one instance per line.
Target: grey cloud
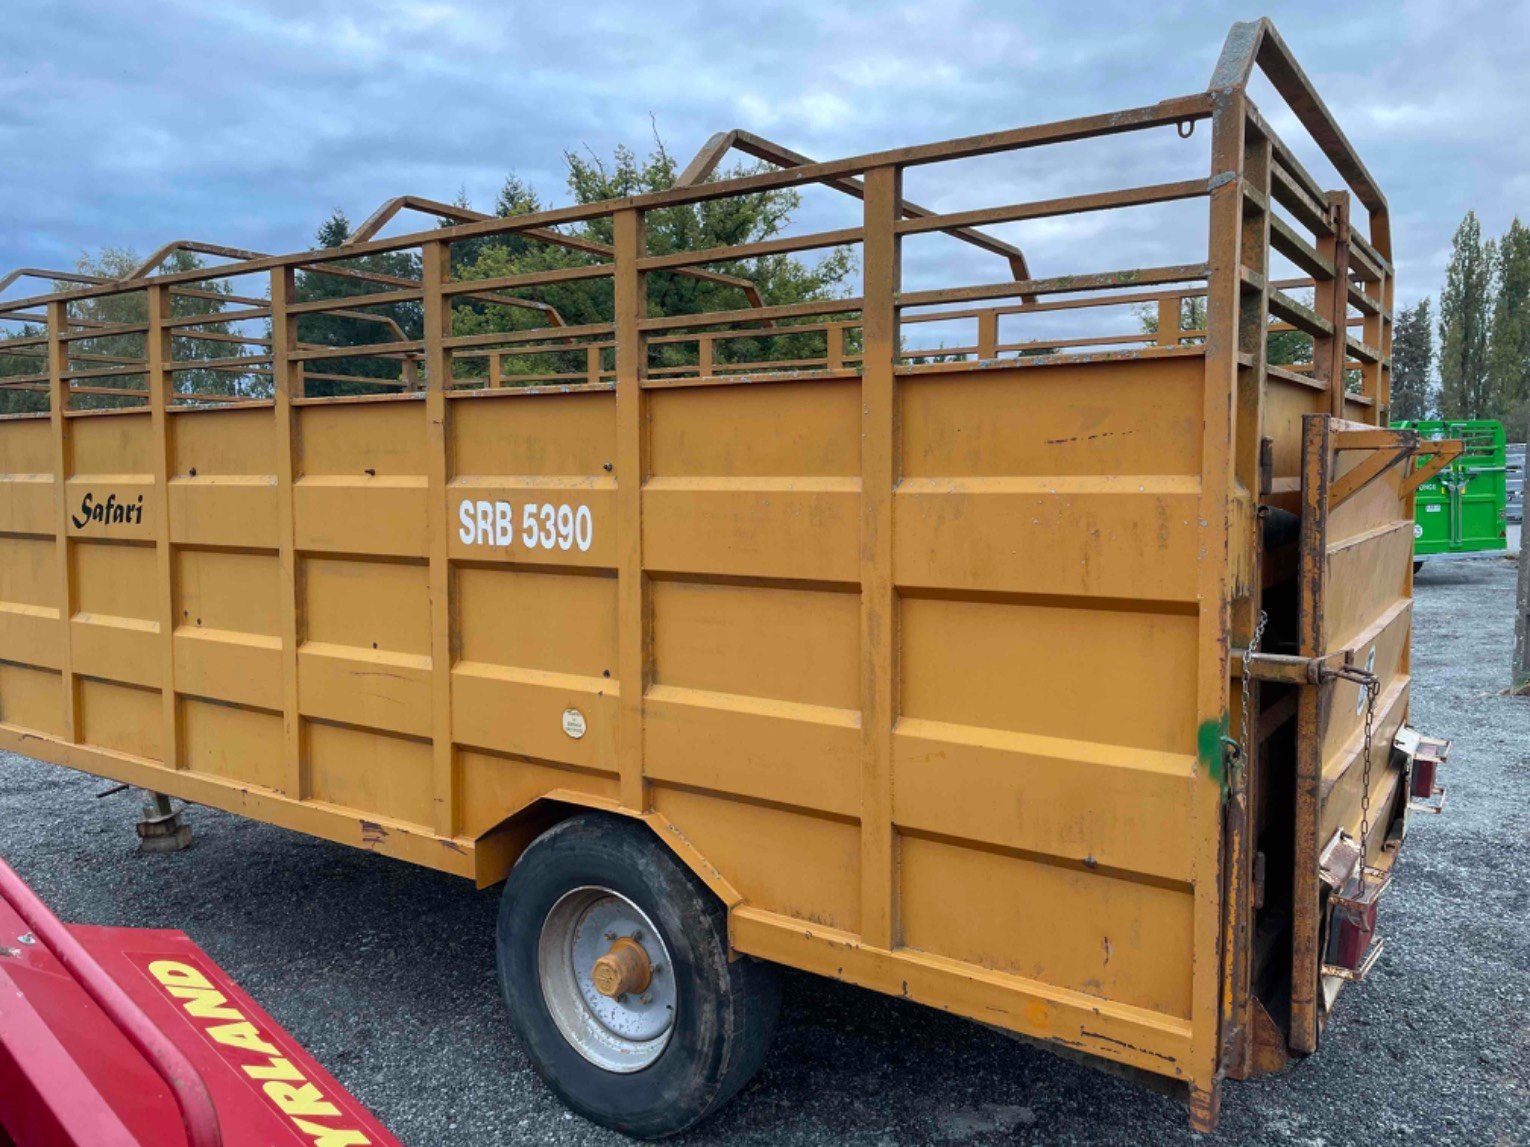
x=246, y=122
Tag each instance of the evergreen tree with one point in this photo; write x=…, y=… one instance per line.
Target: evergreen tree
x=686, y=227
x=1412, y=361
x=1465, y=311
x=328, y=329
x=779, y=279
x=1509, y=344
x=333, y=231
x=516, y=198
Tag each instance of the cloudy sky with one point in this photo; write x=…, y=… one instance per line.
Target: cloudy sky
x=245, y=122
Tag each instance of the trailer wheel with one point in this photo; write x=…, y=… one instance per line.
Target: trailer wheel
x=1417, y=565
x=613, y=960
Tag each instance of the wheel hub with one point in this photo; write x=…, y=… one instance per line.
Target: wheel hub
x=623, y=970
x=607, y=979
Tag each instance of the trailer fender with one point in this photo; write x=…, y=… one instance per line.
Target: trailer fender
x=497, y=850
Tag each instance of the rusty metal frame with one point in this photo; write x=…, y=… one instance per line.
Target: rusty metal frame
x=1324, y=440
x=712, y=153
x=384, y=214
x=1306, y=925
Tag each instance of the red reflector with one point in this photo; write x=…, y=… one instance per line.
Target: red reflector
x=1424, y=770
x=1354, y=929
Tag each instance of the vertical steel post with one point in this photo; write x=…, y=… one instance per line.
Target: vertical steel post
x=1311, y=640
x=1245, y=544
x=1224, y=288
x=287, y=383
x=1374, y=332
x=834, y=349
x=1381, y=241
x=160, y=829
x=634, y=640
x=63, y=464
x=988, y=334
x=437, y=268
x=158, y=355
x=879, y=620
x=1331, y=302
x=1170, y=310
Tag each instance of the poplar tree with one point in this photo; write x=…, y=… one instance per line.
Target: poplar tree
x=1465, y=315
x=1509, y=342
x=1412, y=359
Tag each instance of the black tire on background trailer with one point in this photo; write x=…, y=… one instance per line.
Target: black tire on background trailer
x=595, y=883
x=1417, y=565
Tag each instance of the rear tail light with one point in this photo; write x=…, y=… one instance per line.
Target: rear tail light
x=1425, y=793
x=1353, y=946
x=1355, y=890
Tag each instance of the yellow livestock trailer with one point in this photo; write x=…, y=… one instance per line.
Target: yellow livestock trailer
x=1058, y=679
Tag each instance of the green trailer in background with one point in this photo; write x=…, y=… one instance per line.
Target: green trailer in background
x=1463, y=509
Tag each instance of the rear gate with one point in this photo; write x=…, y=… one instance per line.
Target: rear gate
x=1355, y=602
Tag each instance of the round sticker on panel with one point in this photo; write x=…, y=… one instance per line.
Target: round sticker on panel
x=1418, y=530
x=573, y=723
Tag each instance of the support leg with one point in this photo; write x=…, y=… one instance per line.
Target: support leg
x=162, y=829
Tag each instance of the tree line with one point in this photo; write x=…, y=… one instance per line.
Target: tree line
x=1480, y=367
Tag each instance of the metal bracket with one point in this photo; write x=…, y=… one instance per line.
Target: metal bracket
x=1435, y=803
x=1338, y=860
x=1391, y=447
x=1431, y=752
x=1357, y=975
x=1444, y=452
x=1350, y=483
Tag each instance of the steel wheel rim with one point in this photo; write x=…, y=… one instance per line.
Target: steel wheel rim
x=624, y=1034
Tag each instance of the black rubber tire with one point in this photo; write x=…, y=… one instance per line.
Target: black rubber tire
x=1417, y=566
x=725, y=1011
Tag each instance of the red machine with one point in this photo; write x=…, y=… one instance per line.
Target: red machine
x=117, y=1036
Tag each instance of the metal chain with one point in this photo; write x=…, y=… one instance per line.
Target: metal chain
x=1371, y=684
x=1372, y=687
x=1245, y=744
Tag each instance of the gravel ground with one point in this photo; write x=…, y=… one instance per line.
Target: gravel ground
x=386, y=972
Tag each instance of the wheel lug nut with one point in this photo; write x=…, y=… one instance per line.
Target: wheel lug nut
x=610, y=936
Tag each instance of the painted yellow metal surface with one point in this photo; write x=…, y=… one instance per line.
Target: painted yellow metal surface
x=1042, y=774
x=925, y=667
